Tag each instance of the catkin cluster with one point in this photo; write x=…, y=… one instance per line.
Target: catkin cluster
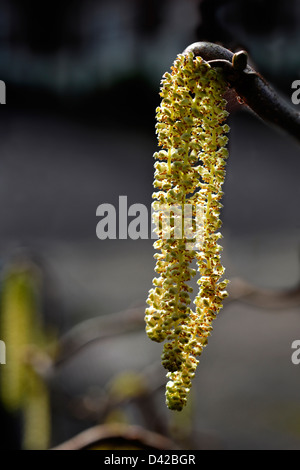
x=190, y=171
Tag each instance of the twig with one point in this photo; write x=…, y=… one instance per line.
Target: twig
x=241, y=291
x=254, y=90
x=98, y=328
x=117, y=435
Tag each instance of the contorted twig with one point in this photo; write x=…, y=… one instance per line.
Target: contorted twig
x=250, y=86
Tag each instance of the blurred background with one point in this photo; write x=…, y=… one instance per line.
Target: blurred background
x=82, y=83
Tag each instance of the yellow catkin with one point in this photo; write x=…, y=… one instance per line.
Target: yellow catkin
x=36, y=414
x=190, y=171
x=21, y=387
x=17, y=323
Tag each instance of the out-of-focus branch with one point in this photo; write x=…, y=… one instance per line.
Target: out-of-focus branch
x=98, y=328
x=114, y=436
x=111, y=325
x=240, y=290
x=251, y=87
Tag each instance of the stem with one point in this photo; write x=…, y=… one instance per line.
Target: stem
x=254, y=90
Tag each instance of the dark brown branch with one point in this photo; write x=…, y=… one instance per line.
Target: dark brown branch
x=251, y=87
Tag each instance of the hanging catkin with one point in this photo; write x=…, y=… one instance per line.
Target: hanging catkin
x=190, y=171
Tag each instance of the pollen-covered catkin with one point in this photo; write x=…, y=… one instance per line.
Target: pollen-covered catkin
x=190, y=171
